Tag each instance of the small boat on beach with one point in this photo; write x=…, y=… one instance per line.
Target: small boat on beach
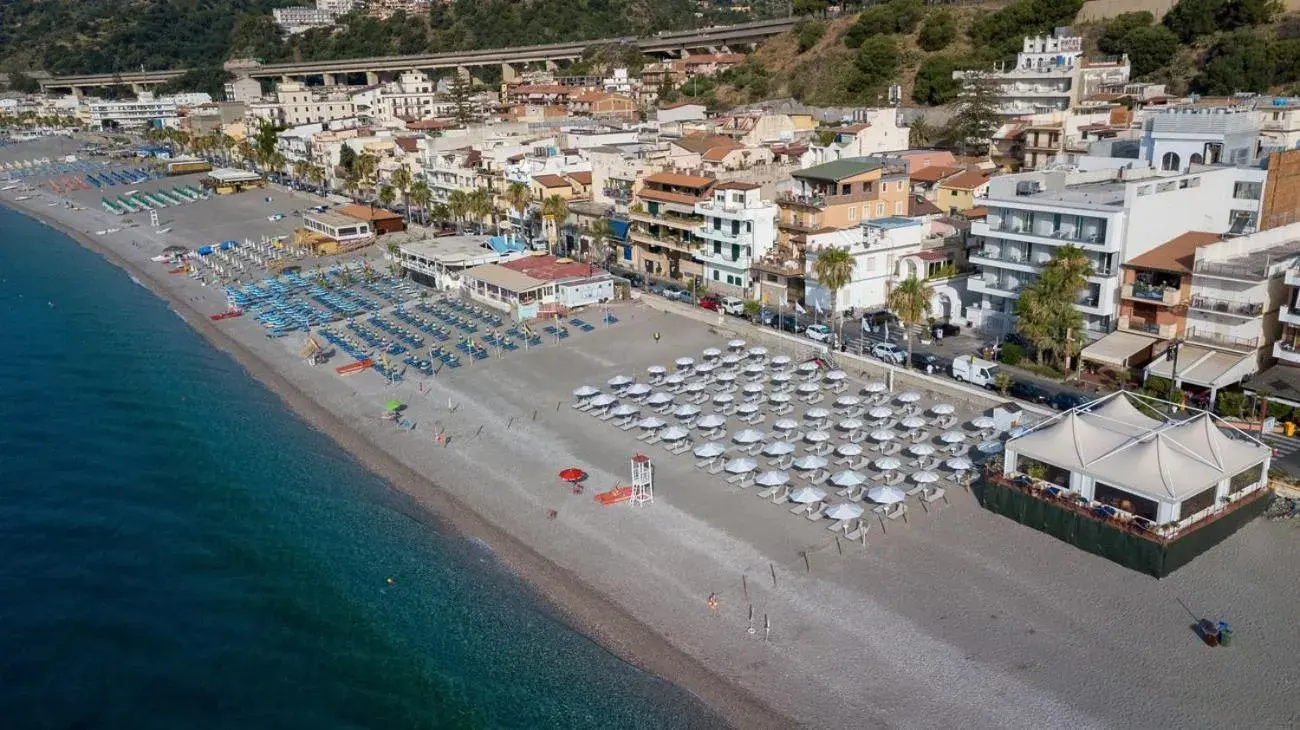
x=228, y=314
x=355, y=367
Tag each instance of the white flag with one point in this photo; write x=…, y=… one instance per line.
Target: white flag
x=799, y=308
x=818, y=305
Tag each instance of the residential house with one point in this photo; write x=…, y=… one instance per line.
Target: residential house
x=725, y=157
x=879, y=131
x=605, y=106
x=959, y=192
x=755, y=129
x=544, y=186
x=739, y=227
x=1050, y=74
x=682, y=111
x=664, y=238
x=925, y=181
x=711, y=64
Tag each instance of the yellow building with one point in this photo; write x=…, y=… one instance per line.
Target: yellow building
x=957, y=193
x=664, y=222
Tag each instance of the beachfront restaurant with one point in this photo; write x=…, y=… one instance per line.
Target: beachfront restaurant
x=227, y=181
x=331, y=233
x=513, y=291
x=438, y=262
x=1119, y=478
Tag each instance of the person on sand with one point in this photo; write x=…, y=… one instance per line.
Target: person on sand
x=656, y=336
x=713, y=604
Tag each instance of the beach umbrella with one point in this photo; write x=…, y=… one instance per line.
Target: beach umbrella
x=736, y=345
x=710, y=449
x=920, y=449
x=952, y=437
x=573, y=475
x=780, y=361
x=912, y=422
x=624, y=410
x=881, y=434
x=875, y=386
x=886, y=495
x=393, y=405
x=730, y=358
x=696, y=386
x=723, y=398
x=742, y=465
x=888, y=463
x=848, y=450
x=619, y=381
x=687, y=410
x=711, y=353
x=817, y=437
x=725, y=378
x=705, y=368
x=747, y=409
x=983, y=422
x=942, y=409
x=836, y=375
x=711, y=420
x=958, y=463
x=786, y=424
x=651, y=423
x=584, y=391
x=637, y=389
x=781, y=377
x=757, y=351
x=807, y=495
x=778, y=448
x=816, y=414
x=675, y=379
x=880, y=412
x=990, y=447
x=808, y=462
x=910, y=396
x=847, y=401
x=844, y=511
x=685, y=362
x=848, y=478
x=601, y=400
x=778, y=398
x=656, y=370
x=850, y=424
x=925, y=477
x=807, y=366
x=809, y=388
x=753, y=388
x=659, y=398
x=772, y=478
x=754, y=368
x=747, y=436
x=674, y=433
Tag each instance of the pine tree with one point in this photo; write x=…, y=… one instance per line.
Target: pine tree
x=460, y=91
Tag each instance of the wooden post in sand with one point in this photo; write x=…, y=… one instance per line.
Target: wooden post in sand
x=744, y=586
x=807, y=566
x=773, y=569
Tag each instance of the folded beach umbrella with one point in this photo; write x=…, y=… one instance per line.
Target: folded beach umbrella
x=710, y=450
x=651, y=423
x=584, y=391
x=844, y=511
x=772, y=478
x=778, y=448
x=886, y=495
x=743, y=465
x=808, y=462
x=747, y=436
x=711, y=420
x=674, y=433
x=807, y=495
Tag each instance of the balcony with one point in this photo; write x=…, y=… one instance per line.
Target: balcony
x=1288, y=315
x=684, y=245
x=621, y=195
x=1235, y=272
x=1147, y=293
x=1026, y=231
x=1245, y=310
x=672, y=221
x=727, y=210
x=1222, y=340
x=995, y=286
x=1293, y=277
x=1287, y=351
x=820, y=202
x=723, y=258
x=724, y=233
x=783, y=262
x=1149, y=327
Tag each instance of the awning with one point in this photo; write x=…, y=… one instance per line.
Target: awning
x=1118, y=348
x=1208, y=368
x=1282, y=382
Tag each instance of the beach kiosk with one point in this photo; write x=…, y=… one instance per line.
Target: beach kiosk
x=329, y=233
x=228, y=181
x=1121, y=478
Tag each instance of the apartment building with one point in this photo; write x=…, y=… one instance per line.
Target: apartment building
x=664, y=235
x=294, y=104
x=1050, y=74
x=832, y=196
x=739, y=227
x=411, y=96
x=879, y=131
x=144, y=111
x=1113, y=214
x=295, y=19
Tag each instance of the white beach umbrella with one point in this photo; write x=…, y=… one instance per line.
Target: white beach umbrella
x=913, y=422
x=817, y=437
x=848, y=478
x=711, y=420
x=772, y=478
x=685, y=362
x=881, y=434
x=816, y=414
x=743, y=465
x=675, y=379
x=780, y=361
x=847, y=401
x=990, y=447
x=786, y=424
x=660, y=398
x=910, y=396
x=625, y=409
x=687, y=410
x=848, y=450
x=705, y=368
x=983, y=422
x=807, y=495
x=725, y=378
x=778, y=398
x=809, y=388
x=886, y=495
x=736, y=345
x=710, y=449
x=696, y=386
x=619, y=381
x=835, y=375
x=723, y=398
x=844, y=511
x=637, y=389
x=747, y=436
x=674, y=433
x=942, y=409
x=881, y=412
x=778, y=448
x=656, y=370
x=888, y=463
x=875, y=386
x=711, y=353
x=850, y=424
x=952, y=437
x=651, y=423
x=755, y=368
x=925, y=477
x=757, y=351
x=584, y=391
x=781, y=377
x=600, y=400
x=753, y=388
x=807, y=366
x=920, y=449
x=730, y=358
x=808, y=462
x=747, y=409
x=958, y=463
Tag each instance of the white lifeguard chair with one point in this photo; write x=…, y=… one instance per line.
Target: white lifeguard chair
x=153, y=218
x=643, y=489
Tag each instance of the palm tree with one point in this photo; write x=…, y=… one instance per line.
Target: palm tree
x=401, y=180
x=910, y=300
x=481, y=206
x=834, y=269
x=245, y=150
x=438, y=212
x=600, y=249
x=386, y=195
x=300, y=171
x=518, y=196
x=364, y=169
x=420, y=196
x=554, y=209
x=458, y=206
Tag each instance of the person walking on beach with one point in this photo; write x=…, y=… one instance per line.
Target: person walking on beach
x=656, y=336
x=713, y=604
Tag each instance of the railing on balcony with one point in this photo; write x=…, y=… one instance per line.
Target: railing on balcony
x=1225, y=270
x=1168, y=296
x=622, y=195
x=1219, y=339
x=1149, y=326
x=815, y=200
x=1075, y=235
x=1225, y=306
x=725, y=232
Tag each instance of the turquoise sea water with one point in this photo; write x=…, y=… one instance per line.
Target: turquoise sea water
x=179, y=551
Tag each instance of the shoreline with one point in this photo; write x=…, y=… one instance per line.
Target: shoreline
x=581, y=606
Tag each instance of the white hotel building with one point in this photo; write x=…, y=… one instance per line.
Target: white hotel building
x=1050, y=75
x=739, y=228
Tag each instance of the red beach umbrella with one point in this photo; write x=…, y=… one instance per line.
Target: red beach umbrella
x=573, y=475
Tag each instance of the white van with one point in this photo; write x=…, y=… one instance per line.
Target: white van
x=975, y=370
x=733, y=306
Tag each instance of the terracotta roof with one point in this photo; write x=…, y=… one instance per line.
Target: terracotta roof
x=549, y=268
x=582, y=178
x=551, y=181
x=919, y=206
x=701, y=143
x=853, y=128
x=429, y=124
x=408, y=144
x=679, y=180
x=366, y=213
x=1177, y=254
x=718, y=154
x=666, y=197
x=931, y=255
x=590, y=96
x=973, y=213
x=969, y=180
x=737, y=185
x=934, y=173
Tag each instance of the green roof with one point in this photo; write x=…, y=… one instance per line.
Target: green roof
x=840, y=169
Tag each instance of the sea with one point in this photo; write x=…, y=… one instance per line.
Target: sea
x=180, y=551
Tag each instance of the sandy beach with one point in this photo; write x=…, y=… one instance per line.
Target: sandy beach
x=957, y=617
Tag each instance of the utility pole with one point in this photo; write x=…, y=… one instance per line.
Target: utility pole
x=1171, y=353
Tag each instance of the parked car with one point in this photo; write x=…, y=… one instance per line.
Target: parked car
x=975, y=370
x=677, y=295
x=940, y=330
x=877, y=320
x=711, y=302
x=1064, y=401
x=634, y=279
x=733, y=306
x=929, y=362
x=818, y=333
x=888, y=352
x=766, y=316
x=1027, y=391
x=788, y=323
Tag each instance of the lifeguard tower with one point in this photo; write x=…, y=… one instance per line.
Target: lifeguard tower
x=643, y=489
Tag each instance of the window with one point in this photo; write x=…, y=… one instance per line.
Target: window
x=715, y=274
x=853, y=213
x=1247, y=190
x=901, y=185
x=1170, y=161
x=898, y=207
x=1194, y=504
x=880, y=209
x=1248, y=478
x=627, y=253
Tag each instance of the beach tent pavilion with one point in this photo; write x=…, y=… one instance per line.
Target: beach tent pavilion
x=226, y=180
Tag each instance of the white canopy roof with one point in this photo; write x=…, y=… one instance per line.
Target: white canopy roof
x=1117, y=444
x=1116, y=348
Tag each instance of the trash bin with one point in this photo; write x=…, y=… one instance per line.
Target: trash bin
x=1225, y=634
x=1289, y=427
